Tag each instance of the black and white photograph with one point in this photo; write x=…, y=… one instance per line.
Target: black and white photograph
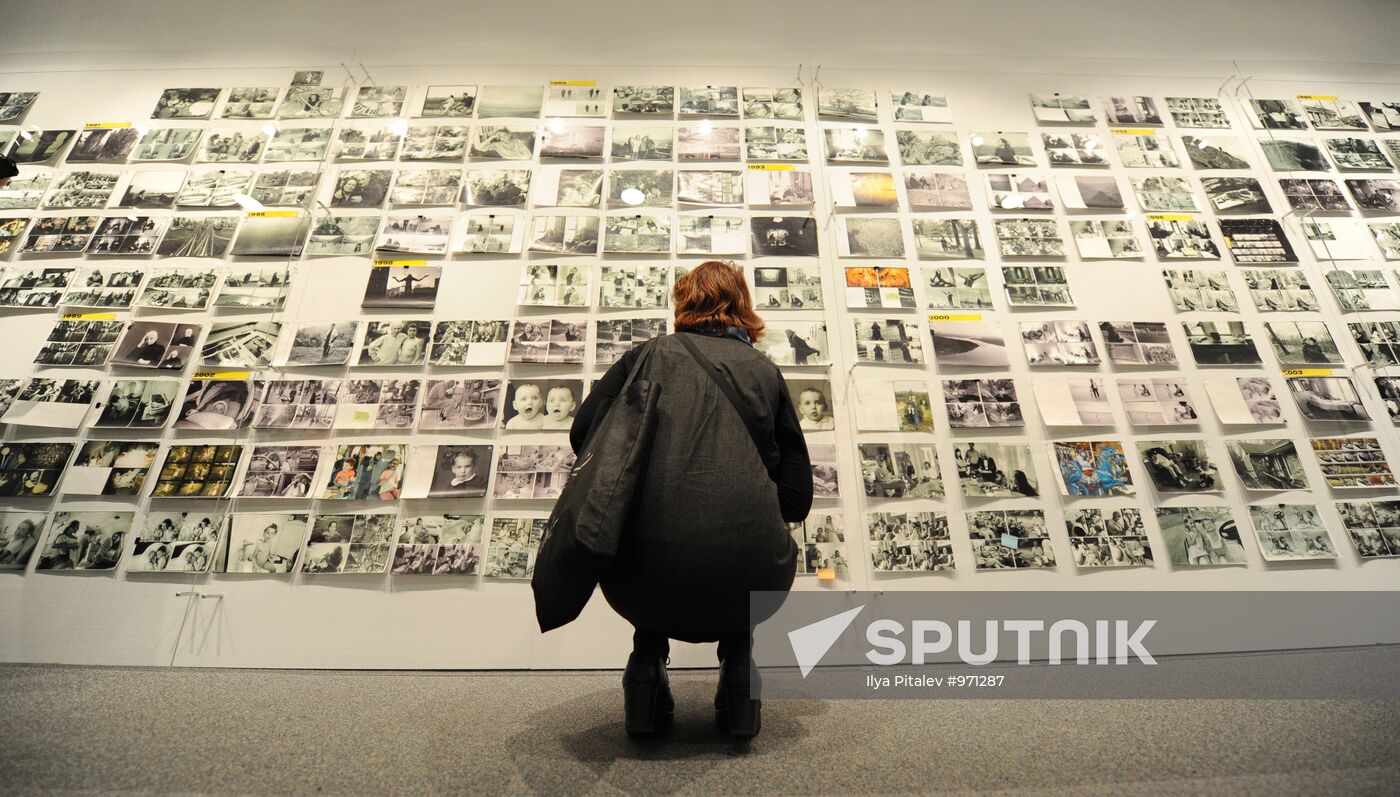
x=937, y=190
x=280, y=471
x=1131, y=110
x=395, y=343
x=909, y=542
x=1327, y=398
x=502, y=232
x=564, y=233
x=175, y=287
x=89, y=540
x=1270, y=464
x=990, y=469
x=1215, y=152
x=1244, y=400
x=1357, y=153
x=1314, y=194
x=570, y=188
x=796, y=343
x=402, y=287
x=900, y=470
x=973, y=344
x=1037, y=286
x=1382, y=196
x=643, y=143
x=322, y=343
x=957, y=288
x=197, y=471
x=920, y=106
x=644, y=100
x=784, y=236
x=461, y=404
x=532, y=471
x=708, y=101
x=288, y=188
x=186, y=104
x=1330, y=113
x=1387, y=235
x=1353, y=462
x=634, y=232
x=1220, y=343
x=1002, y=149
x=1290, y=532
x=869, y=236
x=982, y=403
x=635, y=287
x=41, y=146
x=278, y=236
x=888, y=341
x=1236, y=195
x=137, y=404
x=435, y=143
x=35, y=286
x=128, y=235
x=377, y=403
x=1160, y=401
x=1146, y=151
x=559, y=140
x=24, y=193
x=1073, y=402
x=548, y=341
x=232, y=145
x=772, y=103
x=1138, y=342
x=82, y=190
x=449, y=471
x=509, y=101
x=366, y=472
x=1108, y=537
x=240, y=344
x=513, y=545
x=1345, y=239
x=217, y=404
x=847, y=103
x=554, y=286
x=176, y=542
x=455, y=101
x=1197, y=289
x=59, y=234
x=545, y=403
x=20, y=533
x=1294, y=155
x=575, y=99
x=1281, y=114
x=710, y=187
x=1074, y=149
x=251, y=102
x=1200, y=535
x=417, y=233
x=1383, y=116
x=295, y=403
x=820, y=546
x=32, y=469
x=1058, y=107
x=1027, y=237
x=893, y=406
x=167, y=144
x=711, y=234
x=58, y=403
x=1198, y=112
x=1058, y=343
x=110, y=467
x=439, y=545
x=81, y=343
x=214, y=189
x=615, y=337
x=1181, y=238
x=255, y=287
x=924, y=148
x=15, y=104
x=198, y=236
x=812, y=400
x=312, y=102
x=361, y=188
x=1106, y=239
x=1356, y=290
x=1180, y=466
x=157, y=344
x=343, y=235
x=707, y=142
x=298, y=144
x=378, y=102
x=855, y=145
x=1164, y=194
x=641, y=188
x=1302, y=343
x=502, y=142
x=771, y=143
x=262, y=542
x=362, y=542
x=787, y=288
x=1010, y=539
x=1252, y=241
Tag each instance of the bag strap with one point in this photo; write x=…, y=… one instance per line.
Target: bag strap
x=726, y=387
x=637, y=366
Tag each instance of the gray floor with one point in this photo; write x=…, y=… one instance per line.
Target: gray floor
x=72, y=730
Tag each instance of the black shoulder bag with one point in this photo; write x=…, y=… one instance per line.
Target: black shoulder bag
x=592, y=512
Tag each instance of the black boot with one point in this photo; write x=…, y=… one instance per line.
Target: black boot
x=736, y=712
x=646, y=695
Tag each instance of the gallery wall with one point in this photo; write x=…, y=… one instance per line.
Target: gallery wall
x=304, y=620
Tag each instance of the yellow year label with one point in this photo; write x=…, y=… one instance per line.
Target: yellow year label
x=955, y=316
x=573, y=82
x=1168, y=217
x=271, y=214
x=385, y=263
x=1290, y=372
x=771, y=167
x=89, y=316
x=106, y=125
x=220, y=375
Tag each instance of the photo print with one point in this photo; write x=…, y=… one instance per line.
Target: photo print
x=1092, y=468
x=394, y=343
x=576, y=188
x=157, y=344
x=501, y=142
x=1134, y=110
x=641, y=188
x=559, y=140
x=1108, y=537
x=1158, y=402
x=710, y=187
x=1382, y=196
x=1002, y=149
x=1356, y=290
x=291, y=188
x=1330, y=113
x=855, y=145
x=35, y=286
x=1237, y=195
x=24, y=193
x=876, y=287
x=615, y=337
x=343, y=235
x=1055, y=107
x=1164, y=194
x=1352, y=462
x=90, y=540
x=957, y=288
x=15, y=104
x=982, y=403
x=461, y=404
x=1244, y=400
x=548, y=341
x=251, y=102
x=127, y=235
x=318, y=343
x=1302, y=343
x=553, y=286
x=644, y=100
x=796, y=343
x=85, y=344
x=59, y=403
x=1357, y=153
x=851, y=189
x=79, y=190
x=1216, y=152
x=1026, y=237
x=20, y=533
x=1179, y=238
x=709, y=234
x=629, y=233
x=217, y=404
x=198, y=236
x=847, y=103
x=449, y=471
x=575, y=100
x=351, y=543
x=636, y=287
x=1383, y=116
x=179, y=288
x=1314, y=194
x=1327, y=398
x=771, y=143
x=1294, y=155
x=514, y=543
x=240, y=344
x=402, y=287
x=972, y=344
x=547, y=404
x=307, y=77
x=59, y=235
x=9, y=388
x=11, y=233
x=649, y=143
x=787, y=288
x=255, y=287
x=888, y=341
x=1138, y=342
x=280, y=471
x=533, y=471
x=501, y=232
x=419, y=233
x=1146, y=151
x=197, y=471
x=366, y=472
x=262, y=542
x=989, y=469
x=1073, y=402
x=435, y=143
x=893, y=406
x=920, y=148
x=1200, y=290
x=439, y=545
x=272, y=237
x=869, y=236
x=41, y=146
x=1075, y=149
x=1256, y=241
x=137, y=404
x=175, y=542
x=378, y=102
x=377, y=403
x=1267, y=464
x=361, y=188
x=1058, y=343
x=784, y=236
x=232, y=145
x=186, y=104
x=1010, y=539
x=295, y=403
x=1276, y=115
x=1374, y=526
x=709, y=101
x=1289, y=532
x=1037, y=286
x=298, y=144
x=909, y=542
x=509, y=101
x=167, y=144
x=706, y=142
x=900, y=470
x=1200, y=535
x=110, y=467
x=1220, y=343
x=1344, y=239
x=940, y=190
x=32, y=469
x=455, y=102
x=772, y=103
x=820, y=546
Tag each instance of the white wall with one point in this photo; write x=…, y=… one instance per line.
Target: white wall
x=90, y=62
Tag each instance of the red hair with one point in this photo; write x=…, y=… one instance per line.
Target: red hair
x=714, y=296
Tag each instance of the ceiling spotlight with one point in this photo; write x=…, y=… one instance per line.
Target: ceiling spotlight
x=633, y=196
x=248, y=203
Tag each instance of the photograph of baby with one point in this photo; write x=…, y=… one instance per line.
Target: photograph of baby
x=532, y=471
x=900, y=470
x=991, y=469
x=454, y=471
x=176, y=542
x=811, y=398
x=91, y=540
x=542, y=403
x=280, y=471
x=513, y=545
x=1290, y=531
x=350, y=543
x=1200, y=535
x=262, y=542
x=19, y=537
x=461, y=404
x=366, y=472
x=217, y=404
x=1108, y=537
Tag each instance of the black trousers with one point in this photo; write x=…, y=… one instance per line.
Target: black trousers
x=736, y=647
